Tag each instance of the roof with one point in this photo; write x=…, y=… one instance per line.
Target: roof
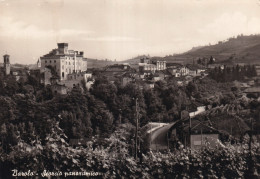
x=196, y=126
x=173, y=65
x=117, y=67
x=194, y=66
x=253, y=90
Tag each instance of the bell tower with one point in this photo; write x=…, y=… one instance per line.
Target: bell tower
x=7, y=65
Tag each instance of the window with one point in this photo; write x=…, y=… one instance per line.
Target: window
x=45, y=61
x=50, y=61
x=54, y=61
x=62, y=74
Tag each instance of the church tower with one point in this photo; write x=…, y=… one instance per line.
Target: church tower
x=7, y=65
x=39, y=64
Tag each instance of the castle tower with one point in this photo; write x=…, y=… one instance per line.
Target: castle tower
x=7, y=65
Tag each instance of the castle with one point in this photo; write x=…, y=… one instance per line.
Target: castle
x=64, y=61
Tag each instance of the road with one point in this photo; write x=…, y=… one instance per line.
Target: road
x=158, y=138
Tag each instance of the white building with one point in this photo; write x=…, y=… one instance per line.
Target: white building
x=64, y=61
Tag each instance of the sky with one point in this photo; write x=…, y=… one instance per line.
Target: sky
x=120, y=29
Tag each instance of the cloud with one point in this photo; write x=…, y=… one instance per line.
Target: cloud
x=20, y=29
x=112, y=39
x=230, y=24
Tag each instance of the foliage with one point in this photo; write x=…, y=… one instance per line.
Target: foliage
x=228, y=74
x=114, y=161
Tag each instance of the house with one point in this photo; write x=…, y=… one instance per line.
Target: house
x=178, y=70
x=127, y=78
x=193, y=133
x=149, y=66
x=112, y=72
x=145, y=60
x=253, y=90
x=184, y=71
x=77, y=79
x=159, y=75
x=58, y=89
x=47, y=76
x=173, y=65
x=257, y=67
x=17, y=75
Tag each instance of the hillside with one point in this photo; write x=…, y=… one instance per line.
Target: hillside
x=94, y=63
x=242, y=49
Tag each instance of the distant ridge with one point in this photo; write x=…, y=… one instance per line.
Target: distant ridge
x=240, y=49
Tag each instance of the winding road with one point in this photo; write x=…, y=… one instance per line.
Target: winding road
x=158, y=138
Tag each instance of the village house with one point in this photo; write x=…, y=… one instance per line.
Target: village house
x=59, y=89
x=148, y=66
x=77, y=79
x=253, y=91
x=117, y=71
x=128, y=77
x=193, y=133
x=184, y=71
x=257, y=67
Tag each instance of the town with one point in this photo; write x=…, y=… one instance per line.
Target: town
x=130, y=89
x=152, y=105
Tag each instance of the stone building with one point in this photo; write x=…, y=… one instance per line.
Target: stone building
x=64, y=61
x=7, y=65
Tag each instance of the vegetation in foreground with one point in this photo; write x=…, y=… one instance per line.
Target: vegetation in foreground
x=36, y=127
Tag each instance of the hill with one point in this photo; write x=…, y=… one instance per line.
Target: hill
x=95, y=63
x=240, y=49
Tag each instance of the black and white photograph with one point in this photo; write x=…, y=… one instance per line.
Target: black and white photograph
x=130, y=89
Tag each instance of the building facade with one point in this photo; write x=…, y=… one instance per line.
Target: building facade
x=64, y=61
x=257, y=67
x=150, y=66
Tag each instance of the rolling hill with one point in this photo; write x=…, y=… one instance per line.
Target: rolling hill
x=242, y=49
